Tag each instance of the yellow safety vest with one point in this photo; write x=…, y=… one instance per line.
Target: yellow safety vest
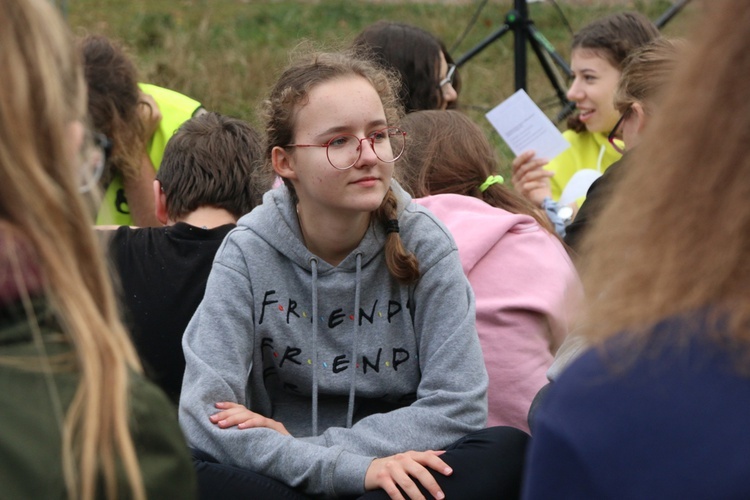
x=175, y=109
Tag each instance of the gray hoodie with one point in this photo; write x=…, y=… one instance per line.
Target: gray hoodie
x=277, y=332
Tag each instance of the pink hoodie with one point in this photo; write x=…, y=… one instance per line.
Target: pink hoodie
x=524, y=283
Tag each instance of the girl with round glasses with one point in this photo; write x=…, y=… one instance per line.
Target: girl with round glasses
x=335, y=350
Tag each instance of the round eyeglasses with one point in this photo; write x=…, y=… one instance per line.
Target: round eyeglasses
x=344, y=150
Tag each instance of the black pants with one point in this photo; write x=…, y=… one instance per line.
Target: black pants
x=486, y=464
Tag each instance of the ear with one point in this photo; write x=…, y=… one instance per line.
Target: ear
x=283, y=163
x=160, y=203
x=639, y=114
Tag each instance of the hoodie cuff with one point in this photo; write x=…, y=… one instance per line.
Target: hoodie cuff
x=349, y=474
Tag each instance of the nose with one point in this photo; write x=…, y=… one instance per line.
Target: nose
x=367, y=156
x=449, y=94
x=575, y=92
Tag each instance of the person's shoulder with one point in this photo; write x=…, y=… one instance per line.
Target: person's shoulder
x=128, y=235
x=418, y=223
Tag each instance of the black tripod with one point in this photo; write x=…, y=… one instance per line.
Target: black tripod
x=525, y=32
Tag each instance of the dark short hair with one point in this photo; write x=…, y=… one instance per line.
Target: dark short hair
x=209, y=162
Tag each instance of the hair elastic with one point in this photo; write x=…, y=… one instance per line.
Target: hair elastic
x=492, y=179
x=391, y=226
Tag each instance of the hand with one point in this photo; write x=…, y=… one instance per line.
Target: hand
x=234, y=414
x=403, y=469
x=530, y=179
x=150, y=114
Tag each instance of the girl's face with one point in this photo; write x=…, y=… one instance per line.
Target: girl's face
x=448, y=92
x=346, y=105
x=593, y=89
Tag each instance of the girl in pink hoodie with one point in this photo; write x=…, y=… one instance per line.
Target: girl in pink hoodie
x=524, y=282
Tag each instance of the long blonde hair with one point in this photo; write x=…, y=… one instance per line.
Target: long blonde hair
x=41, y=95
x=675, y=237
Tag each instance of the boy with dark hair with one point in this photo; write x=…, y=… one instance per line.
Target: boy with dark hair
x=203, y=186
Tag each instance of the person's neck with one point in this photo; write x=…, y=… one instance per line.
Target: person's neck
x=332, y=236
x=207, y=218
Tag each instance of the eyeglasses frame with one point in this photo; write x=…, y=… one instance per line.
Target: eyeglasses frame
x=449, y=75
x=611, y=137
x=371, y=140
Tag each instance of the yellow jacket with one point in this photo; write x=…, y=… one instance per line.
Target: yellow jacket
x=587, y=150
x=175, y=109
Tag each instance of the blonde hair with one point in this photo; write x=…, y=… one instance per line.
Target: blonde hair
x=293, y=88
x=41, y=95
x=645, y=73
x=675, y=237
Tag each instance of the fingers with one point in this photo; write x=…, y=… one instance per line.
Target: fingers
x=407, y=471
x=234, y=414
x=521, y=159
x=533, y=167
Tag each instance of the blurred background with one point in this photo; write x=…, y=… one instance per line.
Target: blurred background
x=227, y=53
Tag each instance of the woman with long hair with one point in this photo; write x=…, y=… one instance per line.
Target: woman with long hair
x=523, y=280
x=78, y=418
x=429, y=78
x=335, y=351
x=658, y=408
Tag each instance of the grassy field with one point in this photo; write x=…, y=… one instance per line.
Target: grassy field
x=227, y=53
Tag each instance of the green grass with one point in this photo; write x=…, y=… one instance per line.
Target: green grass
x=227, y=53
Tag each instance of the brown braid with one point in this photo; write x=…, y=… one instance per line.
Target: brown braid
x=402, y=264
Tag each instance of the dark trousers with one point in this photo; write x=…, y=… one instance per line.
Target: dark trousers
x=486, y=464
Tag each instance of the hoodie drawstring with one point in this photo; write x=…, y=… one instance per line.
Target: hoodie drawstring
x=314, y=266
x=602, y=150
x=352, y=384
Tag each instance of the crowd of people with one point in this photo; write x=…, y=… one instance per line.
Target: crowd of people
x=353, y=302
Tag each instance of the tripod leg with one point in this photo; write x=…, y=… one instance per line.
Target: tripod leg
x=481, y=45
x=549, y=70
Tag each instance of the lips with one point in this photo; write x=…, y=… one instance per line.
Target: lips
x=365, y=181
x=585, y=114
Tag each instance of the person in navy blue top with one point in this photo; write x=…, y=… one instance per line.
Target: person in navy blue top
x=658, y=406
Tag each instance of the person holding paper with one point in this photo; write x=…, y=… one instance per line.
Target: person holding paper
x=597, y=55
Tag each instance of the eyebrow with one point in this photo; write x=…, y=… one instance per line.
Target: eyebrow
x=345, y=129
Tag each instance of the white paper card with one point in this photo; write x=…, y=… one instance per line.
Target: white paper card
x=524, y=126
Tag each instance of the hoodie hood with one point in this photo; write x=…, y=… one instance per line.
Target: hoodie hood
x=475, y=224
